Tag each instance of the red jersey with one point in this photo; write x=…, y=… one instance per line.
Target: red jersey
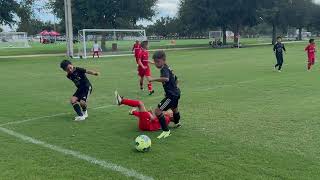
x=311, y=50
x=145, y=124
x=136, y=48
x=144, y=57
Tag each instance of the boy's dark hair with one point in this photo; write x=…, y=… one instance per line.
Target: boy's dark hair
x=311, y=41
x=159, y=55
x=144, y=44
x=64, y=64
x=279, y=37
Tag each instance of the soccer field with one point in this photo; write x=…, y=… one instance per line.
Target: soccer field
x=124, y=47
x=241, y=120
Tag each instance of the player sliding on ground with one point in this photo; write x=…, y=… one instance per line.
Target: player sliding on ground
x=84, y=88
x=143, y=66
x=147, y=120
x=172, y=93
x=136, y=50
x=311, y=50
x=278, y=50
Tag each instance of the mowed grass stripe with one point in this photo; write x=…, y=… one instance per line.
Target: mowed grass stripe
x=102, y=163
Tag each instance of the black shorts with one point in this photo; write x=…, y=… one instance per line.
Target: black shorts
x=83, y=93
x=169, y=103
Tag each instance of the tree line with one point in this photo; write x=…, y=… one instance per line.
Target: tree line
x=195, y=17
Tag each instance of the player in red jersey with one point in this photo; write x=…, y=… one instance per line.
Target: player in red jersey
x=136, y=50
x=147, y=120
x=143, y=66
x=311, y=50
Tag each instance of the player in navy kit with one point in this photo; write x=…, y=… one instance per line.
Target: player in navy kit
x=84, y=88
x=172, y=93
x=278, y=50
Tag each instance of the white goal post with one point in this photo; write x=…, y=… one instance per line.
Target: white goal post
x=14, y=40
x=215, y=35
x=86, y=38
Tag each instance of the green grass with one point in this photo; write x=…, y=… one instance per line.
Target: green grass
x=240, y=119
x=123, y=46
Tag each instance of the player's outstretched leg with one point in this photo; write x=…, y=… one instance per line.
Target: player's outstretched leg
x=129, y=102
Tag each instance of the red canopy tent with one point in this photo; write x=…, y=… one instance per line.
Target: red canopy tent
x=54, y=33
x=44, y=33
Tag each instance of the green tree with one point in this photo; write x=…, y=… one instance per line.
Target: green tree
x=273, y=12
x=299, y=14
x=165, y=26
x=106, y=14
x=202, y=15
x=8, y=9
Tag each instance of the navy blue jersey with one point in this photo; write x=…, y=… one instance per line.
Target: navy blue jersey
x=79, y=78
x=170, y=87
x=279, y=48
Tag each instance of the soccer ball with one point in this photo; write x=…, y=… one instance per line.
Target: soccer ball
x=143, y=143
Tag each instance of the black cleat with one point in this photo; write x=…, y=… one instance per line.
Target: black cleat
x=151, y=92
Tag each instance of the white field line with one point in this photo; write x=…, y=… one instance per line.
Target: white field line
x=102, y=163
x=50, y=116
x=113, y=55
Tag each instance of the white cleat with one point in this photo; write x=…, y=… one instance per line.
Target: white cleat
x=118, y=98
x=85, y=114
x=80, y=118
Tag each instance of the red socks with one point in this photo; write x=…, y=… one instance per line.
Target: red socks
x=132, y=103
x=150, y=87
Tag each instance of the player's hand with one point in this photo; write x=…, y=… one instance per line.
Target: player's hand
x=143, y=67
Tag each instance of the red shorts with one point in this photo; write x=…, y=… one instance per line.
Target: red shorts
x=144, y=72
x=311, y=60
x=146, y=125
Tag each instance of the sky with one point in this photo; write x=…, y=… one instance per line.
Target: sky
x=164, y=8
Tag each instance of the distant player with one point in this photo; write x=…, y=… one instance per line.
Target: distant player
x=147, y=120
x=84, y=88
x=143, y=66
x=278, y=50
x=172, y=93
x=311, y=50
x=96, y=49
x=136, y=50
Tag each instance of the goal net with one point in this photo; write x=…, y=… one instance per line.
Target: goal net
x=13, y=40
x=215, y=35
x=111, y=41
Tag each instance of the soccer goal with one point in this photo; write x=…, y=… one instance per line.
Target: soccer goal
x=111, y=41
x=215, y=35
x=14, y=40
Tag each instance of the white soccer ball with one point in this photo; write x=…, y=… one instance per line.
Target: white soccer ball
x=143, y=143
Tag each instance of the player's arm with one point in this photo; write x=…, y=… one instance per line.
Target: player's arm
x=151, y=62
x=165, y=74
x=92, y=72
x=274, y=48
x=284, y=48
x=161, y=79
